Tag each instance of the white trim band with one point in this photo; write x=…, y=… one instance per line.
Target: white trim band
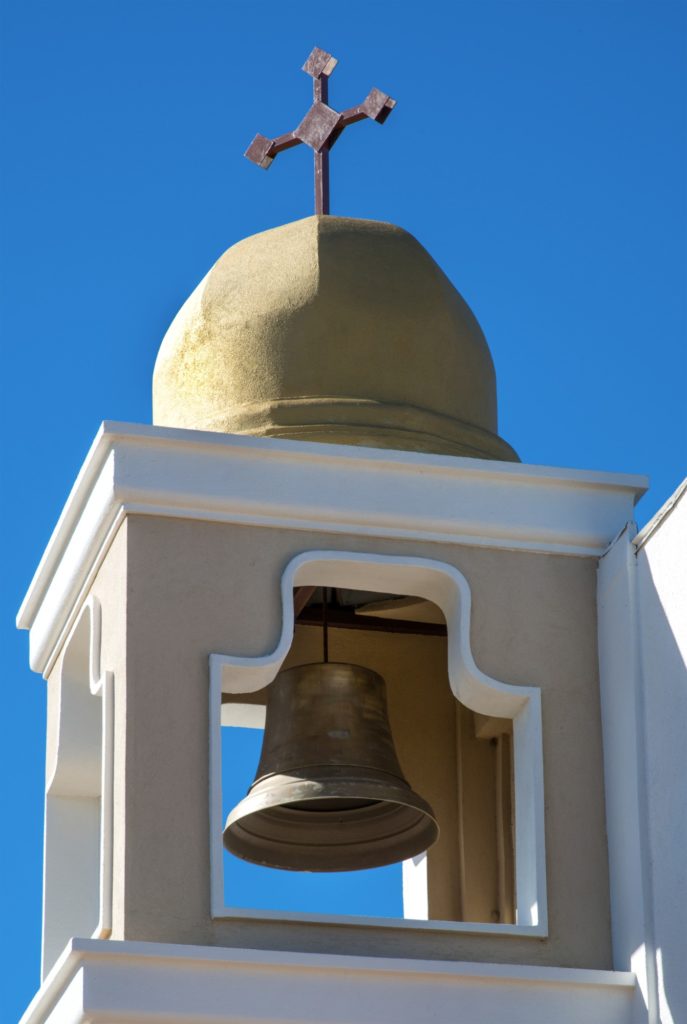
x=104, y=981
x=302, y=485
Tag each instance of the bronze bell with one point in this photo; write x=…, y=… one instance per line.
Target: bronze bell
x=329, y=793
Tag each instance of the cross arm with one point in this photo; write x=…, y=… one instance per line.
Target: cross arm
x=321, y=126
x=262, y=150
x=377, y=105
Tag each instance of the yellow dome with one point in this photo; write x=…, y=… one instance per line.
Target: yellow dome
x=331, y=329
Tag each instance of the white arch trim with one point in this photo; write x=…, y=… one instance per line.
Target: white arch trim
x=79, y=792
x=448, y=588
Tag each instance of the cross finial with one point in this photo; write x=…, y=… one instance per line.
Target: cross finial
x=321, y=126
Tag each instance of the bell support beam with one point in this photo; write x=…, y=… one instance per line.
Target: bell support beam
x=348, y=618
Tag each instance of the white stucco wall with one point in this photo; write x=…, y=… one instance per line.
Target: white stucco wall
x=200, y=514
x=662, y=622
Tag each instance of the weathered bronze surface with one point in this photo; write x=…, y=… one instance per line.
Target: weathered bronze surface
x=329, y=793
x=321, y=126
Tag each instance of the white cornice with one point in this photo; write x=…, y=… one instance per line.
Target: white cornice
x=664, y=512
x=174, y=984
x=301, y=485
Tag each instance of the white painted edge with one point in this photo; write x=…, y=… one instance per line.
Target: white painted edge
x=145, y=470
x=98, y=684
x=660, y=517
x=243, y=716
x=343, y=962
x=622, y=714
x=446, y=587
x=102, y=684
x=416, y=888
x=80, y=953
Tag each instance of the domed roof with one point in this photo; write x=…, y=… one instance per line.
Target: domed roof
x=331, y=329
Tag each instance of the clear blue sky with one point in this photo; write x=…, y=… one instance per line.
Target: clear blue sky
x=538, y=151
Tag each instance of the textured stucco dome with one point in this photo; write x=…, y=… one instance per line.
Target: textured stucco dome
x=331, y=329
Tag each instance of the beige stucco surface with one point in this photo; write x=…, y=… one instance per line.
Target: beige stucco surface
x=331, y=329
x=195, y=588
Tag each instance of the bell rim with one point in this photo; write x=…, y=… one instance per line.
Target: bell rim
x=350, y=787
x=369, y=817
x=375, y=850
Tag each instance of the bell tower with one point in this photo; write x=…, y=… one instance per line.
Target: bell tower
x=323, y=538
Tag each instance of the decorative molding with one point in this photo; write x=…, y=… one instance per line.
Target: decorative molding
x=100, y=982
x=302, y=485
x=449, y=590
x=79, y=791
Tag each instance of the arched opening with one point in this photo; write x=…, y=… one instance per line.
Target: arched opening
x=471, y=745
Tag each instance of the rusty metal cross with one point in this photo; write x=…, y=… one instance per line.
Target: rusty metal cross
x=321, y=126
